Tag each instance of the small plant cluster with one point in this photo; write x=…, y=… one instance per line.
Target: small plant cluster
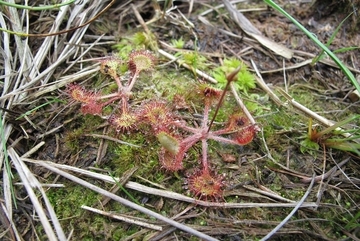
x=244, y=79
x=174, y=134
x=334, y=136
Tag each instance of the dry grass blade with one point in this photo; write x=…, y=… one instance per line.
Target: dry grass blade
x=29, y=65
x=249, y=29
x=264, y=86
x=123, y=218
x=7, y=221
x=34, y=63
x=291, y=213
x=34, y=149
x=165, y=193
x=7, y=193
x=113, y=139
x=126, y=202
x=30, y=182
x=180, y=197
x=269, y=194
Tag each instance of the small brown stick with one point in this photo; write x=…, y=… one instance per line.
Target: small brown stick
x=123, y=218
x=346, y=176
x=140, y=19
x=264, y=86
x=230, y=78
x=327, y=174
x=243, y=107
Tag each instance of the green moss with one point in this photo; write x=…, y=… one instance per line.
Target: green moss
x=145, y=40
x=74, y=137
x=193, y=59
x=124, y=47
x=124, y=157
x=178, y=43
x=244, y=80
x=67, y=201
x=145, y=157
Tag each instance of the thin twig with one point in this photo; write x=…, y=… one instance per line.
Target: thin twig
x=242, y=106
x=126, y=202
x=278, y=227
x=269, y=194
x=312, y=114
x=112, y=139
x=264, y=86
x=165, y=193
x=123, y=218
x=327, y=174
x=34, y=149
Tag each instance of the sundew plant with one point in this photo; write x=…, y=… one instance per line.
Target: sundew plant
x=159, y=118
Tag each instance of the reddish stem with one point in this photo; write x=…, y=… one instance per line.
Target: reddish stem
x=222, y=139
x=229, y=78
x=116, y=97
x=118, y=82
x=204, y=155
x=125, y=104
x=206, y=114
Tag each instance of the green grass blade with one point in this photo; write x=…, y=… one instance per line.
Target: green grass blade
x=346, y=71
x=346, y=49
x=344, y=146
x=124, y=190
x=13, y=32
x=331, y=39
x=19, y=6
x=338, y=124
x=38, y=107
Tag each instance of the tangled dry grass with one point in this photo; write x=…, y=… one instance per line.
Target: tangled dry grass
x=34, y=117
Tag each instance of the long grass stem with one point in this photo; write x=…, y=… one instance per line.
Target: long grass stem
x=317, y=42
